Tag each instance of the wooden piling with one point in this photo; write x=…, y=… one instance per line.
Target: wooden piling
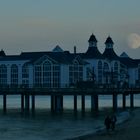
x=4, y=103
x=75, y=103
x=124, y=100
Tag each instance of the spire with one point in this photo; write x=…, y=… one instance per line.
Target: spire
x=92, y=38
x=109, y=43
x=2, y=53
x=92, y=41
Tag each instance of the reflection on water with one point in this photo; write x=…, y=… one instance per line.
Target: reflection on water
x=44, y=125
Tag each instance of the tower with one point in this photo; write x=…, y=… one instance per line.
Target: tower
x=109, y=43
x=92, y=41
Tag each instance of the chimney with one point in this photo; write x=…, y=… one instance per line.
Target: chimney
x=74, y=49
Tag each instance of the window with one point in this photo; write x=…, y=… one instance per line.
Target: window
x=25, y=75
x=100, y=72
x=3, y=75
x=75, y=73
x=37, y=75
x=47, y=75
x=106, y=73
x=115, y=72
x=14, y=75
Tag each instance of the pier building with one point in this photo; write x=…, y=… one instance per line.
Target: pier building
x=62, y=69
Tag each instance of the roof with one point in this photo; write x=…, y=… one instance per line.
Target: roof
x=129, y=62
x=110, y=54
x=92, y=38
x=57, y=49
x=2, y=53
x=124, y=55
x=109, y=41
x=92, y=52
x=11, y=58
x=60, y=57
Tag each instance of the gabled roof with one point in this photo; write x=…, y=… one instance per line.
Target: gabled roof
x=110, y=54
x=57, y=49
x=92, y=53
x=124, y=55
x=60, y=57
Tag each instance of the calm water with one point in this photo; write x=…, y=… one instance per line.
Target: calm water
x=47, y=126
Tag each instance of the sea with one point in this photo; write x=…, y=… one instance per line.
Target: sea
x=45, y=125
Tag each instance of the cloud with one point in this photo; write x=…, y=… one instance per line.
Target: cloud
x=134, y=41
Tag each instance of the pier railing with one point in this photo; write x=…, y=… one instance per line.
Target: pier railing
x=68, y=91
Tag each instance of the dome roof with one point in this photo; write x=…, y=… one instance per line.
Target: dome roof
x=109, y=41
x=92, y=38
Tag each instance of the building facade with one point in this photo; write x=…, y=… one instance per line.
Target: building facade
x=62, y=69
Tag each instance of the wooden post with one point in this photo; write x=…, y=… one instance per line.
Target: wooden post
x=33, y=102
x=27, y=102
x=124, y=100
x=58, y=102
x=75, y=103
x=131, y=100
x=83, y=102
x=114, y=101
x=52, y=103
x=96, y=102
x=22, y=102
x=4, y=103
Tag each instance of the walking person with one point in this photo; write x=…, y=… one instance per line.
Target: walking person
x=107, y=123
x=113, y=122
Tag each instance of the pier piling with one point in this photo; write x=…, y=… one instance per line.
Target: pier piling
x=83, y=102
x=115, y=101
x=4, y=103
x=131, y=100
x=27, y=102
x=75, y=103
x=33, y=103
x=124, y=100
x=22, y=102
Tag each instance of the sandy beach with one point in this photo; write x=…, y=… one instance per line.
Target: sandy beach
x=128, y=130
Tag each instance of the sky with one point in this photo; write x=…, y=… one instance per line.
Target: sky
x=40, y=25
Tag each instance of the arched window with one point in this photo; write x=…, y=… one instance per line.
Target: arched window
x=38, y=75
x=3, y=75
x=51, y=75
x=106, y=73
x=47, y=74
x=75, y=72
x=106, y=67
x=14, y=75
x=115, y=71
x=25, y=74
x=100, y=71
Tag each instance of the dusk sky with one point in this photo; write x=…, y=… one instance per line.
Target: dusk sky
x=40, y=25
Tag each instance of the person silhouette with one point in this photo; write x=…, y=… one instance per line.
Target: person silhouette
x=107, y=122
x=113, y=122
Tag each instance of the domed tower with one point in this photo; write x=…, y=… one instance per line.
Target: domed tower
x=109, y=43
x=92, y=41
x=92, y=52
x=109, y=51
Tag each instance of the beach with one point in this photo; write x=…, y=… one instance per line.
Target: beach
x=127, y=130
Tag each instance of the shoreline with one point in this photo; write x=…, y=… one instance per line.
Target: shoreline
x=122, y=118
